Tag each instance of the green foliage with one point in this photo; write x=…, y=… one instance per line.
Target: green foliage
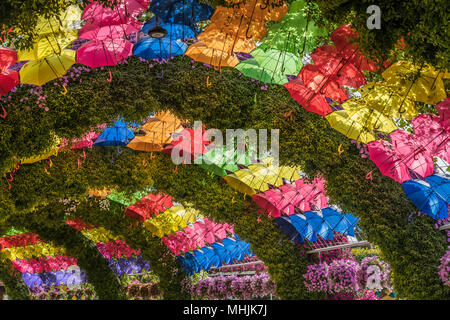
x=12, y=280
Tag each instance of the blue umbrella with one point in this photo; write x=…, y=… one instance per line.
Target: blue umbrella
x=222, y=253
x=426, y=199
x=196, y=266
x=212, y=256
x=202, y=259
x=244, y=246
x=320, y=226
x=174, y=31
x=286, y=227
x=149, y=48
x=186, y=264
x=338, y=222
x=185, y=12
x=303, y=227
x=441, y=185
x=117, y=135
x=232, y=246
x=352, y=221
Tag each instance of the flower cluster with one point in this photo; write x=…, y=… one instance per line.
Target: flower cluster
x=116, y=249
x=44, y=264
x=143, y=291
x=84, y=292
x=361, y=253
x=444, y=268
x=346, y=278
x=226, y=287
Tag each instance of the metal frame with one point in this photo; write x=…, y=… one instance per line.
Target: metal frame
x=445, y=227
x=363, y=243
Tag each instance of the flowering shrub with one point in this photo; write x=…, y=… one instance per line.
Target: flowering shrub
x=316, y=277
x=226, y=287
x=343, y=276
x=444, y=269
x=375, y=273
x=143, y=291
x=361, y=253
x=84, y=292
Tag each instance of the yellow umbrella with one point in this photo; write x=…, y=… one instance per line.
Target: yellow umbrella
x=386, y=100
x=213, y=38
x=340, y=121
x=99, y=193
x=237, y=181
x=371, y=119
x=287, y=172
x=52, y=67
x=53, y=151
x=420, y=84
x=46, y=45
x=201, y=53
x=265, y=176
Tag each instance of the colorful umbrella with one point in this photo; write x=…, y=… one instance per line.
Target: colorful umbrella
x=117, y=135
x=174, y=31
x=94, y=32
x=426, y=199
x=443, y=109
x=150, y=48
x=342, y=122
x=220, y=250
x=44, y=70
x=307, y=98
x=250, y=68
x=303, y=226
x=212, y=256
x=440, y=185
x=104, y=53
x=319, y=224
x=272, y=10
x=185, y=12
x=201, y=53
x=8, y=78
x=338, y=222
x=219, y=160
x=124, y=11
x=47, y=45
x=213, y=38
x=285, y=225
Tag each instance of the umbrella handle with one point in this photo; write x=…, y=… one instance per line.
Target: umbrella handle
x=400, y=110
x=65, y=90
x=208, y=84
x=110, y=77
x=4, y=113
x=369, y=176
x=340, y=150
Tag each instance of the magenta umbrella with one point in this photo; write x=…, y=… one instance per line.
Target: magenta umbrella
x=386, y=159
x=293, y=195
x=412, y=153
x=120, y=14
x=91, y=31
x=104, y=53
x=443, y=109
x=267, y=202
x=431, y=134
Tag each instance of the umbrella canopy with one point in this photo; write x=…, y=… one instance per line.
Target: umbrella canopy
x=219, y=160
x=250, y=68
x=150, y=48
x=319, y=224
x=443, y=109
x=294, y=33
x=342, y=122
x=213, y=38
x=220, y=250
x=104, y=53
x=272, y=10
x=174, y=31
x=423, y=84
x=369, y=118
x=187, y=144
x=212, y=256
x=201, y=53
x=185, y=12
x=441, y=185
x=42, y=71
x=386, y=100
x=91, y=31
x=303, y=227
x=426, y=199
x=233, y=22
x=124, y=11
x=8, y=78
x=338, y=222
x=432, y=135
x=274, y=202
x=308, y=99
x=285, y=225
x=117, y=135
x=47, y=45
x=66, y=21
x=232, y=246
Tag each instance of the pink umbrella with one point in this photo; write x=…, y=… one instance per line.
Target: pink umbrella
x=412, y=152
x=87, y=141
x=91, y=31
x=104, y=53
x=432, y=135
x=293, y=195
x=8, y=78
x=125, y=9
x=386, y=159
x=267, y=202
x=444, y=113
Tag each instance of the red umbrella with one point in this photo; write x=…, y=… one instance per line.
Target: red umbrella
x=104, y=53
x=443, y=109
x=344, y=40
x=8, y=78
x=308, y=99
x=331, y=64
x=187, y=143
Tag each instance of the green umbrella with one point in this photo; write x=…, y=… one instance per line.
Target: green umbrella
x=228, y=162
x=126, y=200
x=270, y=66
x=295, y=32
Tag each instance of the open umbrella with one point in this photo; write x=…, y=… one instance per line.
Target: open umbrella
x=220, y=160
x=174, y=31
x=274, y=202
x=47, y=45
x=220, y=250
x=426, y=199
x=338, y=222
x=104, y=53
x=319, y=224
x=440, y=185
x=342, y=122
x=307, y=98
x=303, y=227
x=272, y=10
x=286, y=227
x=234, y=248
x=213, y=38
x=123, y=11
x=49, y=68
x=185, y=12
x=8, y=78
x=91, y=31
x=149, y=48
x=117, y=135
x=443, y=109
x=202, y=53
x=250, y=68
x=212, y=256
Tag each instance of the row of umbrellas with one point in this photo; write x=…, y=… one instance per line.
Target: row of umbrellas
x=216, y=255
x=323, y=223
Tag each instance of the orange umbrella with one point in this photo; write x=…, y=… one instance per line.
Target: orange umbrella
x=201, y=53
x=272, y=10
x=213, y=38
